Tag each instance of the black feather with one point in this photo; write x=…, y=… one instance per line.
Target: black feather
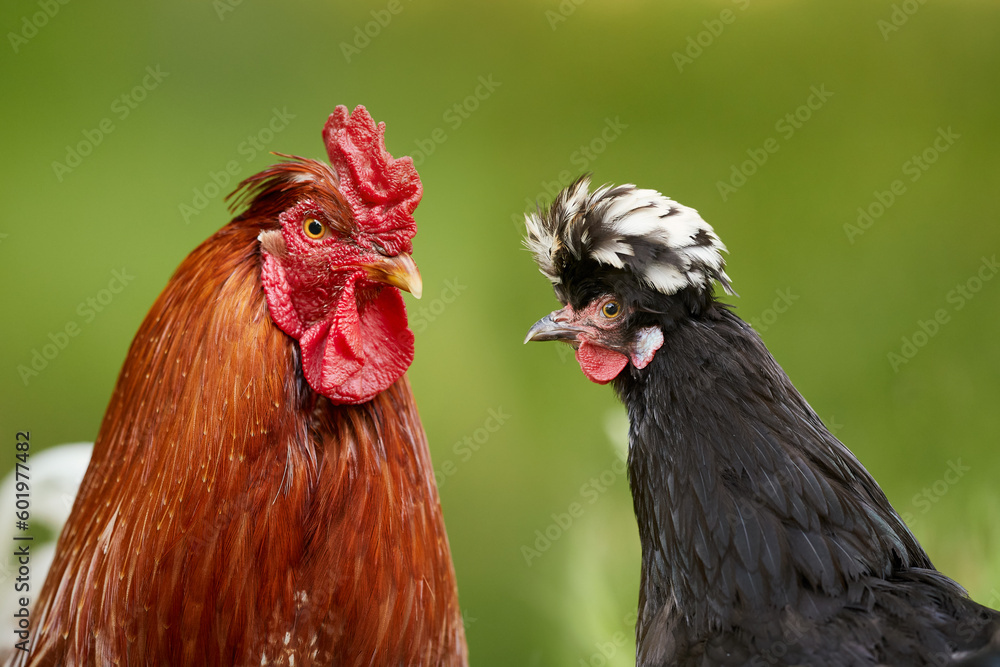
x=764, y=540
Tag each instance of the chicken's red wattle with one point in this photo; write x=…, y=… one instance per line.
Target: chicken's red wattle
x=600, y=364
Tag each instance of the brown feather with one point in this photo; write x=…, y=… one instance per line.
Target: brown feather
x=231, y=515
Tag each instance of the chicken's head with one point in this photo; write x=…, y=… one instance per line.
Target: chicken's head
x=625, y=262
x=337, y=251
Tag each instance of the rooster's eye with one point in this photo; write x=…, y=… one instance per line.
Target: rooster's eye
x=313, y=228
x=611, y=310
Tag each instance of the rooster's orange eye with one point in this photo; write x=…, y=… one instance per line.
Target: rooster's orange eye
x=313, y=228
x=611, y=310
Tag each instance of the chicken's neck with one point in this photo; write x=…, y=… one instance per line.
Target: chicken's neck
x=743, y=498
x=218, y=459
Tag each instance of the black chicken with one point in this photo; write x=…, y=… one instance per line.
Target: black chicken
x=764, y=540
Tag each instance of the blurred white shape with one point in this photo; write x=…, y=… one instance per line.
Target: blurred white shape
x=54, y=476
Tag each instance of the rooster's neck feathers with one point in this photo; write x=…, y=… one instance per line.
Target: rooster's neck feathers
x=234, y=514
x=663, y=244
x=251, y=531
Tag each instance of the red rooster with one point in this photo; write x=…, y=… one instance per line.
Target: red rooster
x=261, y=491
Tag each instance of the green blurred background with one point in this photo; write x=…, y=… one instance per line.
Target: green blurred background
x=672, y=96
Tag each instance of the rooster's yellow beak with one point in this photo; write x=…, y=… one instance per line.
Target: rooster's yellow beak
x=399, y=271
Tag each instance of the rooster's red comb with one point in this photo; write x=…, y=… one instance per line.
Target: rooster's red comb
x=381, y=190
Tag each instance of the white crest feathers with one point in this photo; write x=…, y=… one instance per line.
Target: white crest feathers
x=667, y=245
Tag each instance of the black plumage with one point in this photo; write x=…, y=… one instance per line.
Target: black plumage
x=764, y=540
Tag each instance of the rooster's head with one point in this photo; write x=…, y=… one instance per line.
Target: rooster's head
x=335, y=246
x=624, y=262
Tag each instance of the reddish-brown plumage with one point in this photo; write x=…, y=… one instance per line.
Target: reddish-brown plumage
x=232, y=515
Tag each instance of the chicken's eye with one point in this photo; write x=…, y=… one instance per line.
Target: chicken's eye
x=313, y=228
x=611, y=309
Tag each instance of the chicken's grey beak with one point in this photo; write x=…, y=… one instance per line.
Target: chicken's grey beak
x=553, y=327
